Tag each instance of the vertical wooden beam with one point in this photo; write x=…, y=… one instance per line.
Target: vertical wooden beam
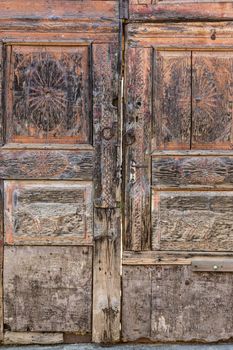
x=1, y=258
x=1, y=96
x=107, y=224
x=137, y=139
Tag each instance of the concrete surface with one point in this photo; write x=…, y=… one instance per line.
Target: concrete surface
x=122, y=347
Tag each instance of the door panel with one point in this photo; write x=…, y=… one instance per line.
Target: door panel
x=48, y=94
x=170, y=303
x=187, y=179
x=172, y=93
x=212, y=95
x=31, y=274
x=60, y=171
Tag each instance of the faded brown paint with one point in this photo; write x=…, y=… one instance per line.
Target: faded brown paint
x=48, y=213
x=47, y=94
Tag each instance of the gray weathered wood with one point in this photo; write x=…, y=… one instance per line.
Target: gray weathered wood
x=48, y=289
x=46, y=164
x=48, y=213
x=192, y=221
x=137, y=137
x=26, y=338
x=192, y=172
x=172, y=303
x=106, y=276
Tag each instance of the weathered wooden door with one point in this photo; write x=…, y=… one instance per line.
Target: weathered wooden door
x=178, y=234
x=59, y=171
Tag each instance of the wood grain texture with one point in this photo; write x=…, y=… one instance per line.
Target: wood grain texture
x=212, y=85
x=47, y=289
x=172, y=100
x=48, y=213
x=192, y=221
x=1, y=86
x=147, y=10
x=46, y=164
x=207, y=172
x=106, y=276
x=172, y=303
x=27, y=338
x=105, y=122
x=137, y=137
x=47, y=94
x=1, y=257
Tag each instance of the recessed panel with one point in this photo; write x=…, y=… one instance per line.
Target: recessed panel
x=172, y=303
x=48, y=289
x=48, y=94
x=192, y=221
x=48, y=213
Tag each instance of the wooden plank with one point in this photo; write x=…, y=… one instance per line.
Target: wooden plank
x=209, y=172
x=46, y=164
x=176, y=304
x=136, y=302
x=48, y=289
x=171, y=257
x=1, y=86
x=26, y=338
x=106, y=276
x=67, y=10
x=212, y=95
x=137, y=139
x=105, y=122
x=192, y=221
x=172, y=100
x=48, y=213
x=47, y=94
x=212, y=264
x=180, y=10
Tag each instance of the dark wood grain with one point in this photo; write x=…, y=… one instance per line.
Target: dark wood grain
x=172, y=100
x=105, y=122
x=192, y=172
x=172, y=303
x=212, y=100
x=48, y=213
x=45, y=164
x=192, y=221
x=47, y=94
x=137, y=137
x=48, y=289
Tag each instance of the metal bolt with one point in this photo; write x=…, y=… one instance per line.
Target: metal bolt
x=215, y=267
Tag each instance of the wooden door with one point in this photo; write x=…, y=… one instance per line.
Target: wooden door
x=59, y=171
x=178, y=227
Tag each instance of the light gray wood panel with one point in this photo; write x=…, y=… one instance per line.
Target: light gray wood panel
x=48, y=213
x=48, y=289
x=172, y=303
x=192, y=221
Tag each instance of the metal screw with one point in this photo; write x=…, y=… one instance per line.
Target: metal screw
x=215, y=267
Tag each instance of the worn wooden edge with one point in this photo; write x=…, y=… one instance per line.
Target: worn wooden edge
x=170, y=257
x=175, y=10
x=73, y=338
x=106, y=276
x=27, y=338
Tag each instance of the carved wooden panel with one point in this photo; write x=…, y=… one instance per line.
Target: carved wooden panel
x=212, y=100
x=48, y=289
x=48, y=94
x=192, y=221
x=172, y=303
x=48, y=213
x=192, y=172
x=172, y=99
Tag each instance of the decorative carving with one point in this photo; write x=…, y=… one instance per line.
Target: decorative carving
x=50, y=101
